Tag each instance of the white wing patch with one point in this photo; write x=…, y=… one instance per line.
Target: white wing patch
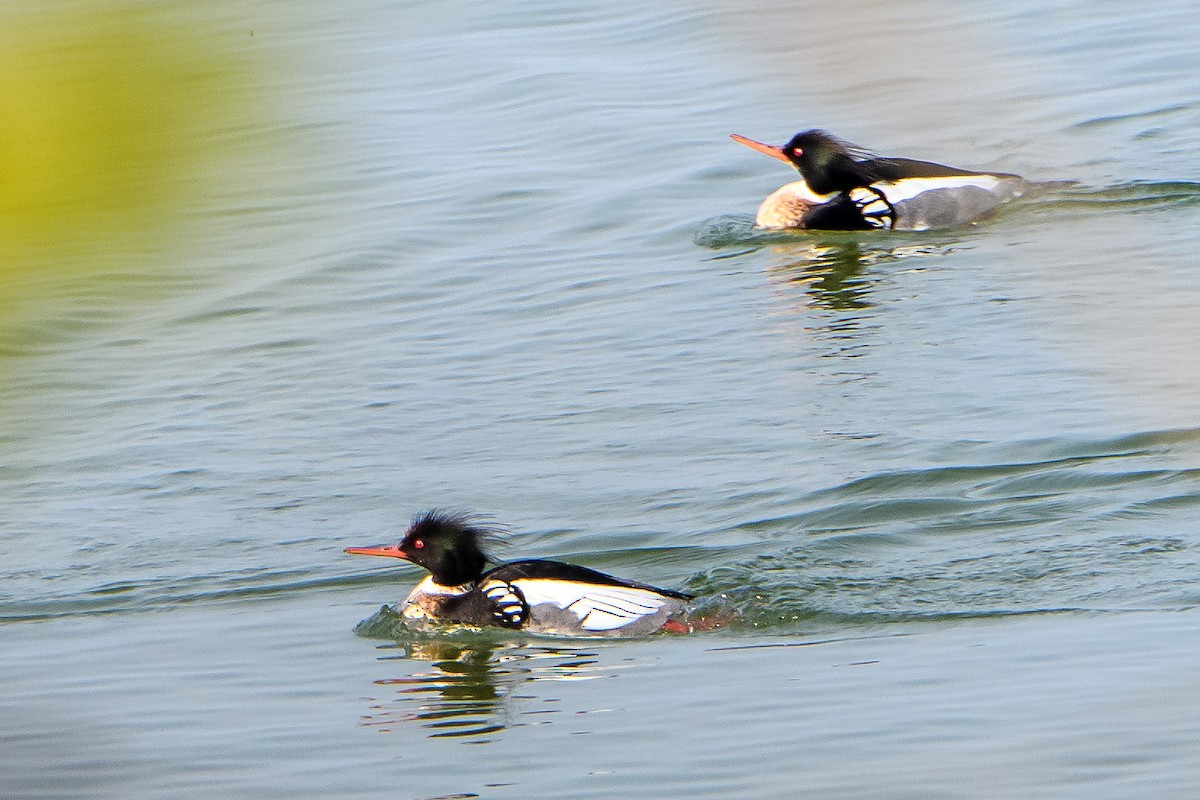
x=598, y=607
x=908, y=188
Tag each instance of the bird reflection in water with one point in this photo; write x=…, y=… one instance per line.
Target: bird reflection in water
x=470, y=689
x=833, y=267
x=833, y=270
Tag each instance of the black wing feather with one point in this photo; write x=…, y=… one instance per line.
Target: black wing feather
x=556, y=570
x=894, y=169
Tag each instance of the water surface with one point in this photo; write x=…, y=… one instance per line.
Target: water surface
x=947, y=485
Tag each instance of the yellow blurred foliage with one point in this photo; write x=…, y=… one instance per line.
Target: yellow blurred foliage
x=112, y=123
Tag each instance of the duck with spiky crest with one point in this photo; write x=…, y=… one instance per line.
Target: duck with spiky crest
x=845, y=187
x=536, y=596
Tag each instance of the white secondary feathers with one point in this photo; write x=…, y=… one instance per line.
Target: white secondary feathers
x=597, y=607
x=907, y=188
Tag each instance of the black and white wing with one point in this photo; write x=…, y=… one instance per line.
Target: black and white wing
x=598, y=607
x=943, y=201
x=552, y=597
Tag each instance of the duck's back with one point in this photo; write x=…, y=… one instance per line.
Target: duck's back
x=552, y=597
x=898, y=169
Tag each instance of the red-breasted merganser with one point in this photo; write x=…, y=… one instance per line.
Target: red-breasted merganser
x=844, y=187
x=535, y=596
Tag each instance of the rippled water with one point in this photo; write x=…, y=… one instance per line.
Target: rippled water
x=944, y=486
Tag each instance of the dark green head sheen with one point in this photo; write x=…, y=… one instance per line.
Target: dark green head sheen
x=449, y=545
x=827, y=163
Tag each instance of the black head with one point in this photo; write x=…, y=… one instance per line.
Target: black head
x=827, y=163
x=820, y=147
x=449, y=545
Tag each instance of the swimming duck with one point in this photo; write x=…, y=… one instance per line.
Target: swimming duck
x=533, y=595
x=844, y=187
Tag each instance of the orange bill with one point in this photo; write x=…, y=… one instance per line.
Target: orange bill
x=386, y=550
x=768, y=149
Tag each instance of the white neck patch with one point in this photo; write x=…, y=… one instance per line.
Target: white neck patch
x=430, y=586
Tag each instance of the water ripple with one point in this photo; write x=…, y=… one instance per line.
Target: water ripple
x=973, y=540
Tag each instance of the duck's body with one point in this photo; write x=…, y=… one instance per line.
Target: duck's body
x=843, y=190
x=545, y=597
x=537, y=596
x=916, y=204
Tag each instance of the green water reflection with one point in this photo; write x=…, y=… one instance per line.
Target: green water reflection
x=472, y=690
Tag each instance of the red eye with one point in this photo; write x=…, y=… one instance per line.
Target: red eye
x=418, y=544
x=797, y=151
